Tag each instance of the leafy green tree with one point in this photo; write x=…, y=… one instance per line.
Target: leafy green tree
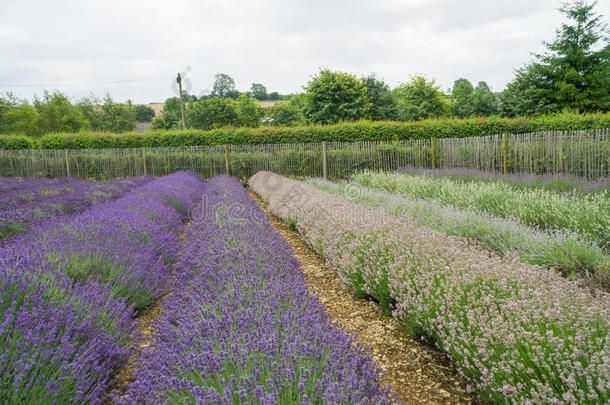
x=118, y=117
x=224, y=86
x=383, y=105
x=484, y=102
x=522, y=95
x=249, y=112
x=461, y=98
x=8, y=101
x=285, y=114
x=213, y=112
x=274, y=95
x=57, y=114
x=259, y=91
x=574, y=73
x=22, y=119
x=144, y=113
x=336, y=96
x=419, y=99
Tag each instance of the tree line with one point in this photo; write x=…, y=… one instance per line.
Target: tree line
x=55, y=112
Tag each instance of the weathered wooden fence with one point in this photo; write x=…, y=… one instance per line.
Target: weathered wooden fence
x=579, y=153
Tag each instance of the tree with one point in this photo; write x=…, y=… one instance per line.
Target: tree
x=22, y=119
x=285, y=114
x=144, y=113
x=484, y=102
x=383, y=105
x=58, y=114
x=249, y=112
x=7, y=102
x=274, y=95
x=259, y=91
x=224, y=86
x=419, y=99
x=118, y=117
x=522, y=95
x=574, y=73
x=461, y=98
x=336, y=96
x=213, y=112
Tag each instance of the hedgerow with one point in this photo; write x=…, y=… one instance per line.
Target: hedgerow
x=343, y=132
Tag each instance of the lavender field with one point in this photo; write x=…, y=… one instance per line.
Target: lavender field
x=521, y=333
x=522, y=313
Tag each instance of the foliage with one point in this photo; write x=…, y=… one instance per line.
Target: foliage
x=274, y=95
x=15, y=142
x=574, y=72
x=383, y=106
x=22, y=119
x=57, y=114
x=461, y=98
x=336, y=96
x=213, y=112
x=521, y=96
x=224, y=86
x=144, y=113
x=343, y=132
x=419, y=99
x=286, y=114
x=249, y=112
x=259, y=91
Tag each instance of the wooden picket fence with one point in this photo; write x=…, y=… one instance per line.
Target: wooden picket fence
x=579, y=153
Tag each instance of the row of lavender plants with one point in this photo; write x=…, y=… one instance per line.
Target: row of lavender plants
x=240, y=325
x=564, y=251
x=522, y=333
x=585, y=214
x=30, y=202
x=69, y=291
x=563, y=183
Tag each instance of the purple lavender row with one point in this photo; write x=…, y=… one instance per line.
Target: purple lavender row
x=26, y=203
x=68, y=292
x=240, y=325
x=557, y=182
x=523, y=334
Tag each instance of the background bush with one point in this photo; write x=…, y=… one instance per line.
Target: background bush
x=342, y=132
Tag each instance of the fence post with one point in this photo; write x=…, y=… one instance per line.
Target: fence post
x=227, y=170
x=67, y=164
x=505, y=152
x=433, y=146
x=324, y=172
x=144, y=161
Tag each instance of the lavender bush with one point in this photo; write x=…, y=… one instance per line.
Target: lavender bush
x=240, y=325
x=553, y=182
x=561, y=250
x=588, y=214
x=27, y=202
x=522, y=333
x=68, y=291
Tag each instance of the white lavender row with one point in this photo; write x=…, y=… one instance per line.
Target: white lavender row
x=585, y=214
x=561, y=250
x=522, y=333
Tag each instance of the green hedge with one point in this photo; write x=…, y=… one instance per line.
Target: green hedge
x=346, y=132
x=16, y=142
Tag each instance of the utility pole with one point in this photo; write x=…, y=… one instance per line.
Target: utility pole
x=179, y=80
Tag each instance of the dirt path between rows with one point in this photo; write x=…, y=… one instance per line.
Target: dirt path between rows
x=417, y=373
x=145, y=333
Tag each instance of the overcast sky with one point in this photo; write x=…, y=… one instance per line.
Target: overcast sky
x=133, y=49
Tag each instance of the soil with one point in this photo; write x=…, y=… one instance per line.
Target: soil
x=416, y=372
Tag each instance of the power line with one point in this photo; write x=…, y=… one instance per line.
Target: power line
x=81, y=83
